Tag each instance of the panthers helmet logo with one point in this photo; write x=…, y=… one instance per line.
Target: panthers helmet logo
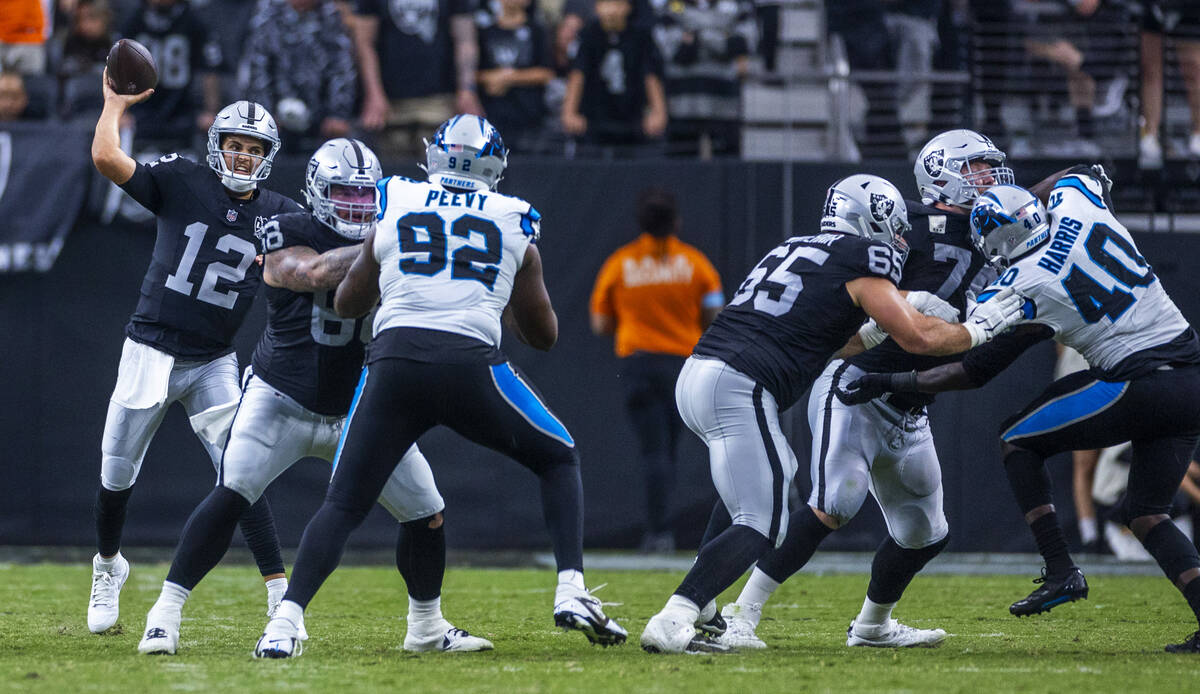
x=933, y=163
x=881, y=207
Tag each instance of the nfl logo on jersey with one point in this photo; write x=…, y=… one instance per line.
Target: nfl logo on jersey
x=231, y=215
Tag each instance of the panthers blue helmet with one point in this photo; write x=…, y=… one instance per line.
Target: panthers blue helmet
x=1007, y=222
x=466, y=152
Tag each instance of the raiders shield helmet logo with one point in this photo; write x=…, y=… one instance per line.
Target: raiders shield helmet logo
x=881, y=207
x=933, y=163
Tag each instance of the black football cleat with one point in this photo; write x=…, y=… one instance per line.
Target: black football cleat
x=713, y=627
x=1192, y=645
x=1055, y=590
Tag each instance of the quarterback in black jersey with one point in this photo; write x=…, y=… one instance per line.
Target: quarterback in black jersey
x=887, y=447
x=179, y=343
x=295, y=400
x=802, y=302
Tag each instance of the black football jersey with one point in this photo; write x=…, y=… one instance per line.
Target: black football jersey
x=943, y=261
x=203, y=275
x=793, y=312
x=307, y=350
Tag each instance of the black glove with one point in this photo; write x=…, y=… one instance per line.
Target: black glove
x=873, y=385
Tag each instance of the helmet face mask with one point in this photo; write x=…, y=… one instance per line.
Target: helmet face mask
x=247, y=119
x=1007, y=222
x=339, y=185
x=467, y=152
x=867, y=206
x=947, y=169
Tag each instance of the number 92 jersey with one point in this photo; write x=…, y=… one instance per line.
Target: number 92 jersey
x=1090, y=285
x=202, y=277
x=307, y=350
x=793, y=312
x=447, y=260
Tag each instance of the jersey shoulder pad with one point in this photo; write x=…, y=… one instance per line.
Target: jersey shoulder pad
x=174, y=164
x=1080, y=185
x=868, y=258
x=288, y=229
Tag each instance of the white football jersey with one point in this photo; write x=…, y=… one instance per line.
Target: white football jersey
x=447, y=260
x=1090, y=284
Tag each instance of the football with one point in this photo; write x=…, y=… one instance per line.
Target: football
x=131, y=68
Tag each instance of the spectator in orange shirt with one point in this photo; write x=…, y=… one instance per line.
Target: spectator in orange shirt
x=656, y=294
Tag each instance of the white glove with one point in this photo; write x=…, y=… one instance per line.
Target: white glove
x=1101, y=175
x=871, y=334
x=999, y=313
x=931, y=305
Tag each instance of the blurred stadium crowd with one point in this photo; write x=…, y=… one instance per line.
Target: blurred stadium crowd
x=764, y=79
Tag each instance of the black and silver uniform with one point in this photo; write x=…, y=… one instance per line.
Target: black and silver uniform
x=793, y=311
x=307, y=350
x=943, y=261
x=202, y=277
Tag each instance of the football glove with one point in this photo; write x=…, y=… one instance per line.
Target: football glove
x=1000, y=312
x=873, y=385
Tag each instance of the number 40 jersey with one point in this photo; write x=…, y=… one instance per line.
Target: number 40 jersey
x=1095, y=291
x=447, y=260
x=307, y=350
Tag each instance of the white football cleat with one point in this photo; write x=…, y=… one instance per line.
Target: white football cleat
x=281, y=639
x=444, y=637
x=666, y=633
x=741, y=621
x=162, y=633
x=104, y=605
x=273, y=600
x=892, y=634
x=575, y=608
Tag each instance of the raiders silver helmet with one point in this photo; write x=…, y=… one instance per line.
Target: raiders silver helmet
x=1007, y=222
x=339, y=186
x=466, y=152
x=243, y=118
x=943, y=172
x=867, y=206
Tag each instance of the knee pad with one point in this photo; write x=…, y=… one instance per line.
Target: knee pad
x=117, y=473
x=920, y=479
x=917, y=525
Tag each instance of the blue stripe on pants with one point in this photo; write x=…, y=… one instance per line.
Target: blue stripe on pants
x=526, y=403
x=362, y=381
x=1068, y=409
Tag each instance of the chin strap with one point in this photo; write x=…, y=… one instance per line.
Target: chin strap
x=238, y=185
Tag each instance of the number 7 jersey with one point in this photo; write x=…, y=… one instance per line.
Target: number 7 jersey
x=447, y=259
x=1093, y=288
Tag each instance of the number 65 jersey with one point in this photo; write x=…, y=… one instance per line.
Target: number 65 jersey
x=447, y=260
x=1091, y=287
x=202, y=277
x=793, y=311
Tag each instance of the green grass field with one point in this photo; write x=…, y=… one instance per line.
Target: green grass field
x=1111, y=643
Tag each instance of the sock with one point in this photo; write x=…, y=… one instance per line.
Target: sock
x=1191, y=593
x=206, y=537
x=421, y=558
x=1027, y=476
x=424, y=611
x=258, y=527
x=102, y=564
x=687, y=610
x=562, y=508
x=893, y=568
x=276, y=585
x=109, y=512
x=572, y=578
x=758, y=588
x=172, y=597
x=804, y=535
x=1088, y=532
x=721, y=562
x=290, y=611
x=718, y=522
x=873, y=613
x=1052, y=544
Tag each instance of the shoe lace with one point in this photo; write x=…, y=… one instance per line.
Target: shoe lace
x=456, y=633
x=1042, y=578
x=103, y=589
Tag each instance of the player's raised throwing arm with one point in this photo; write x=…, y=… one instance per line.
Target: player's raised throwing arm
x=529, y=313
x=107, y=155
x=358, y=292
x=921, y=334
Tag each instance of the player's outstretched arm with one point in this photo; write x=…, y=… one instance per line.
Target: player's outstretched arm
x=358, y=291
x=529, y=306
x=301, y=269
x=110, y=160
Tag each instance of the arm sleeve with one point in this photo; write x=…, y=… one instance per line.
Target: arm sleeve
x=601, y=302
x=983, y=363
